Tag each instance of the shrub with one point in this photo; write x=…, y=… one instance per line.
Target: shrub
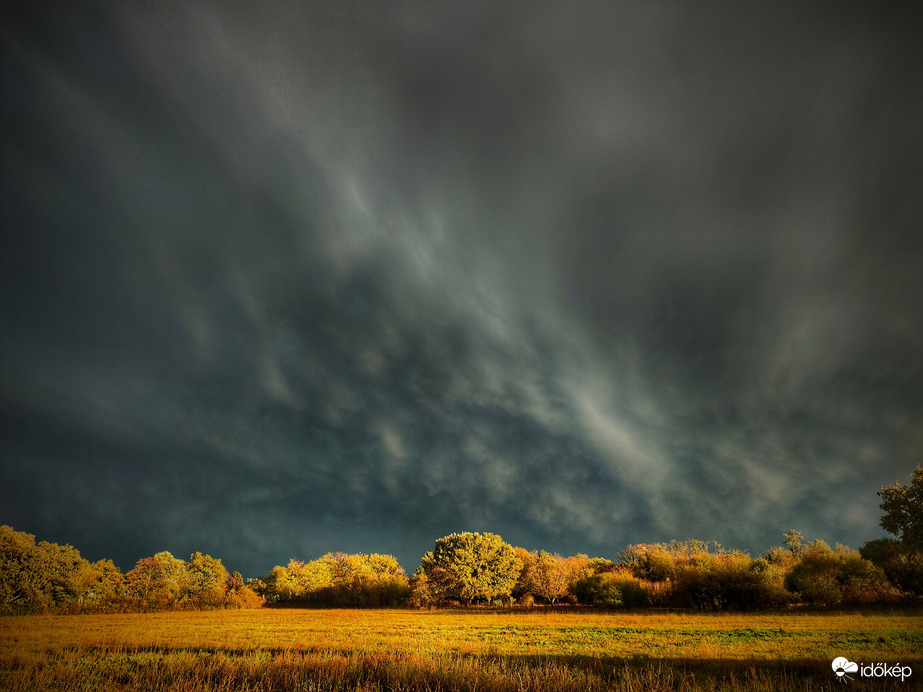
x=243, y=597
x=902, y=565
x=687, y=575
x=611, y=590
x=824, y=577
x=649, y=562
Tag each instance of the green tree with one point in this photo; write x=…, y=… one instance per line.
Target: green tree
x=297, y=581
x=40, y=577
x=106, y=588
x=793, y=541
x=66, y=575
x=655, y=562
x=524, y=583
x=21, y=584
x=235, y=581
x=278, y=585
x=430, y=588
x=595, y=565
x=311, y=580
x=550, y=577
x=903, y=510
x=902, y=564
x=366, y=580
x=337, y=579
x=157, y=582
x=826, y=577
x=205, y=581
x=729, y=580
x=477, y=567
x=240, y=595
x=613, y=589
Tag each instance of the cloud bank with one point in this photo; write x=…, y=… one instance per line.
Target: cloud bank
x=351, y=276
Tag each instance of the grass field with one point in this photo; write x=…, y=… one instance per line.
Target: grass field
x=277, y=649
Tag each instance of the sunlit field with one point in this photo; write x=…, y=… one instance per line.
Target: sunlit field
x=278, y=649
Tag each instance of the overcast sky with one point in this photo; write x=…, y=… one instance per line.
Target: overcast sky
x=292, y=278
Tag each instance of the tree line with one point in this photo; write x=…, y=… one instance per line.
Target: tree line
x=46, y=577
x=481, y=568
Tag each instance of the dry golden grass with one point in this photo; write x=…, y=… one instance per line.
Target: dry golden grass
x=273, y=649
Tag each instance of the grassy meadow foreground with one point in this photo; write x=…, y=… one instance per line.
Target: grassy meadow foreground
x=285, y=649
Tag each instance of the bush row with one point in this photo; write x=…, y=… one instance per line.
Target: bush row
x=470, y=568
x=690, y=575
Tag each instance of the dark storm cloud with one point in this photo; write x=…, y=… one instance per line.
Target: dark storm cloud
x=352, y=276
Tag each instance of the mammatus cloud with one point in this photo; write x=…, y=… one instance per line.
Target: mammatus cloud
x=333, y=277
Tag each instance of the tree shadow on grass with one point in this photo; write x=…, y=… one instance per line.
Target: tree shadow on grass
x=170, y=668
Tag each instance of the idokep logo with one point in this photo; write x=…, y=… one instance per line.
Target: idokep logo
x=843, y=666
